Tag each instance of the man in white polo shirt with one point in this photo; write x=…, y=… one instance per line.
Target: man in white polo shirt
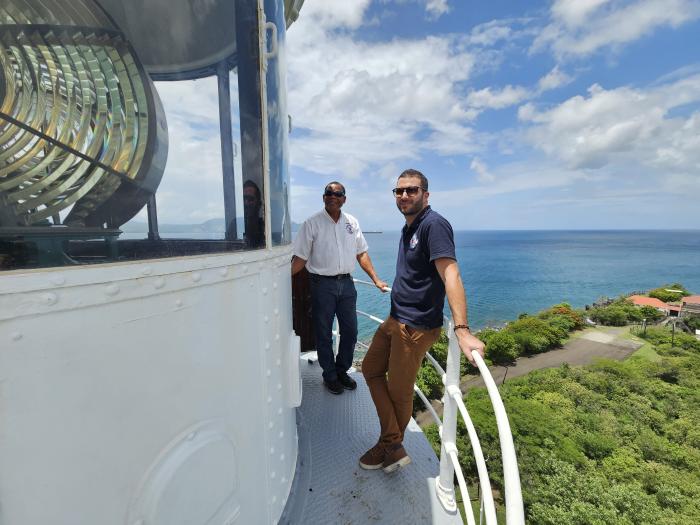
x=328, y=244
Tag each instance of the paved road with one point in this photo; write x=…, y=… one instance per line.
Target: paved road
x=580, y=351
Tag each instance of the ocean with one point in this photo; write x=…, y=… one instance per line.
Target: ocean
x=507, y=273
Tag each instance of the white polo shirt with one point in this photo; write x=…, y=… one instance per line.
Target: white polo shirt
x=329, y=247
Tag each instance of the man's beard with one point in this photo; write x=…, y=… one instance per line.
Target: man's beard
x=415, y=209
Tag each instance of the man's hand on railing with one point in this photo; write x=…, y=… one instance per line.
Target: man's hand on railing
x=383, y=287
x=468, y=343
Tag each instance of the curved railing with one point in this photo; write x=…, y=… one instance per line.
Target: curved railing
x=449, y=458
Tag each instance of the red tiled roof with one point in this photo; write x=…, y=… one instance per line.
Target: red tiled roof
x=692, y=299
x=640, y=300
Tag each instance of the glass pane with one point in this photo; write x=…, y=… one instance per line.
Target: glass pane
x=122, y=142
x=278, y=126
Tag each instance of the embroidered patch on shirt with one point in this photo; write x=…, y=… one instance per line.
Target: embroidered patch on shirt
x=349, y=228
x=414, y=241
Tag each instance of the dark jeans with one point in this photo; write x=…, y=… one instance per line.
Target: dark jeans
x=334, y=297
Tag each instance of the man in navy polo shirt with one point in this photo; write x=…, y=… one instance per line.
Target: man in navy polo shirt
x=426, y=271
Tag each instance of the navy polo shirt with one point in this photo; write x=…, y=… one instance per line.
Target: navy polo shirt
x=418, y=293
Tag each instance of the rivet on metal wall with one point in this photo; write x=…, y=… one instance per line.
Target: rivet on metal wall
x=279, y=411
x=278, y=362
x=277, y=311
x=191, y=436
x=147, y=271
x=271, y=424
x=112, y=290
x=267, y=346
x=273, y=475
x=274, y=285
x=223, y=272
x=281, y=436
x=49, y=299
x=279, y=386
x=16, y=336
x=269, y=399
x=266, y=319
x=264, y=291
x=272, y=451
x=178, y=303
x=196, y=277
x=245, y=269
x=281, y=457
x=269, y=372
x=283, y=480
x=158, y=283
x=277, y=337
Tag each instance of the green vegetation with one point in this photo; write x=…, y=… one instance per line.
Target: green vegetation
x=622, y=312
x=618, y=313
x=692, y=322
x=664, y=295
x=527, y=335
x=612, y=443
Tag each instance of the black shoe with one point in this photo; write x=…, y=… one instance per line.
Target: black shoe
x=334, y=387
x=347, y=381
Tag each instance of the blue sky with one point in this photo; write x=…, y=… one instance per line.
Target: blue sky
x=561, y=114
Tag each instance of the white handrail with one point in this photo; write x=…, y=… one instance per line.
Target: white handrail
x=515, y=513
x=487, y=506
x=429, y=407
x=468, y=511
x=369, y=316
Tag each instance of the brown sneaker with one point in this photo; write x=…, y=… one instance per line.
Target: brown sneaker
x=395, y=458
x=373, y=458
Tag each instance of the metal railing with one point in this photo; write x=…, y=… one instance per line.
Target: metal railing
x=453, y=404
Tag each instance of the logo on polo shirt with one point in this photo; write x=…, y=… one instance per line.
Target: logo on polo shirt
x=349, y=228
x=414, y=241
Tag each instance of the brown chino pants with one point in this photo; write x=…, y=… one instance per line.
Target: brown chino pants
x=397, y=351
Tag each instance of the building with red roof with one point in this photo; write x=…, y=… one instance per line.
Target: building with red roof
x=640, y=300
x=690, y=305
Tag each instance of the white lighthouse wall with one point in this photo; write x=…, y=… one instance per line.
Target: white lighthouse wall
x=156, y=392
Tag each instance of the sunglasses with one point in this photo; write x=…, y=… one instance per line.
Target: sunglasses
x=249, y=198
x=411, y=191
x=329, y=193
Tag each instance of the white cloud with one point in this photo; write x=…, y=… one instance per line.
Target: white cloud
x=359, y=105
x=490, y=33
x=622, y=129
x=579, y=28
x=437, y=8
x=482, y=173
x=334, y=13
x=554, y=79
x=574, y=13
x=497, y=99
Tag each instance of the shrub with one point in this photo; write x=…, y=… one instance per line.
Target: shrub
x=502, y=348
x=650, y=313
x=664, y=295
x=693, y=322
x=612, y=315
x=429, y=382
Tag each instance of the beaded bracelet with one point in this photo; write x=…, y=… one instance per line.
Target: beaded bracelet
x=457, y=327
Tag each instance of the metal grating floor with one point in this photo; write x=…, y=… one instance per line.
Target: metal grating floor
x=329, y=485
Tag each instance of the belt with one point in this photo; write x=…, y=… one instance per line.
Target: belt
x=339, y=276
